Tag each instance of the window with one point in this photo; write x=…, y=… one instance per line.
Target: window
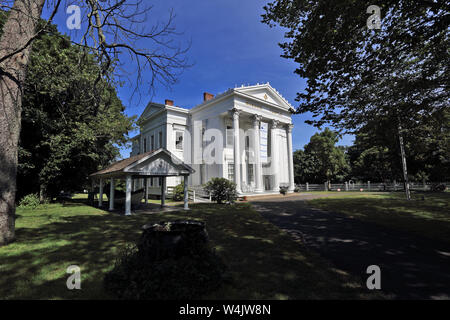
x=229, y=136
x=145, y=145
x=231, y=171
x=153, y=143
x=179, y=140
x=160, y=139
x=250, y=172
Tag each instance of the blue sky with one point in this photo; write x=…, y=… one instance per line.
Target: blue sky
x=229, y=46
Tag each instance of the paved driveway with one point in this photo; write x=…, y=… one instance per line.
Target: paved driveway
x=411, y=267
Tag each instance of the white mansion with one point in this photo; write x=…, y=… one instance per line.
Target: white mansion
x=243, y=134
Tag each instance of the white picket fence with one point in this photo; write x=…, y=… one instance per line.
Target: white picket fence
x=195, y=194
x=368, y=186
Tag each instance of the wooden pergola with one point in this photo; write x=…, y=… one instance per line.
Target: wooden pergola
x=159, y=163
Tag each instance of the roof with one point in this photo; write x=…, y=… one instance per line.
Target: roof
x=161, y=108
x=243, y=91
x=120, y=165
x=133, y=165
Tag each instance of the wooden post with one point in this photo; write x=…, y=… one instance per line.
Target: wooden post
x=368, y=185
x=100, y=196
x=325, y=186
x=128, y=196
x=92, y=197
x=111, y=195
x=186, y=196
x=404, y=166
x=163, y=191
x=346, y=186
x=307, y=186
x=146, y=190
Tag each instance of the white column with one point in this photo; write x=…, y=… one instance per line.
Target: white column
x=275, y=164
x=186, y=195
x=236, y=153
x=290, y=158
x=146, y=189
x=100, y=195
x=256, y=146
x=111, y=195
x=128, y=196
x=163, y=191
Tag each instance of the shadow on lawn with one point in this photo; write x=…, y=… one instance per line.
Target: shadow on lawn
x=264, y=262
x=411, y=266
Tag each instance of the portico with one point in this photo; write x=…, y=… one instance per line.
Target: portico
x=160, y=163
x=262, y=153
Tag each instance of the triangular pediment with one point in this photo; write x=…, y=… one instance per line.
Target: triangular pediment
x=266, y=93
x=157, y=166
x=151, y=109
x=162, y=163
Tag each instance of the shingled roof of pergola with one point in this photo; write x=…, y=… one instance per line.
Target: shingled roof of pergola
x=145, y=165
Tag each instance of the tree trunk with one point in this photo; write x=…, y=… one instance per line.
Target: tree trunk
x=404, y=167
x=42, y=193
x=18, y=30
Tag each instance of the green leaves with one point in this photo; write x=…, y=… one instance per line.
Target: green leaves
x=71, y=124
x=362, y=80
x=321, y=160
x=354, y=73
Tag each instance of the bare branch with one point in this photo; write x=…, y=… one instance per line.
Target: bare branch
x=37, y=34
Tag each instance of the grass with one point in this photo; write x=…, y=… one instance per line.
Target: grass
x=427, y=214
x=264, y=262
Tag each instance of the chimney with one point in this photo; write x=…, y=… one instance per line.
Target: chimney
x=207, y=96
x=169, y=102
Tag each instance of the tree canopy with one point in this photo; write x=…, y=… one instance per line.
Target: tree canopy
x=374, y=155
x=356, y=75
x=70, y=127
x=321, y=160
x=109, y=30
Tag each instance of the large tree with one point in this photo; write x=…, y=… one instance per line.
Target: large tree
x=64, y=137
x=356, y=74
x=321, y=159
x=111, y=29
x=374, y=153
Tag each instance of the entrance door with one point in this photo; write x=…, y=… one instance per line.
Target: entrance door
x=267, y=183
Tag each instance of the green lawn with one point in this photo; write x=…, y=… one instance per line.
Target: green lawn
x=427, y=214
x=264, y=262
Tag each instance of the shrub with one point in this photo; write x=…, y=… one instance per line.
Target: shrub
x=283, y=190
x=297, y=189
x=178, y=192
x=221, y=190
x=30, y=201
